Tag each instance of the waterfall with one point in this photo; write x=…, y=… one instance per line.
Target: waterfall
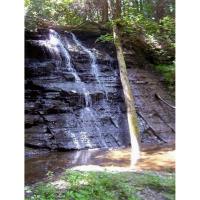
x=56, y=40
x=59, y=45
x=88, y=113
x=94, y=66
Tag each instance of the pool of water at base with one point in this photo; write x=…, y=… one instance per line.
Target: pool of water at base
x=154, y=159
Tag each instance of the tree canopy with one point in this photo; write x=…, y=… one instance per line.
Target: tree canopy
x=74, y=12
x=154, y=20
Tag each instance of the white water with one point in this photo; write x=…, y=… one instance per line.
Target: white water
x=94, y=67
x=60, y=46
x=88, y=114
x=95, y=71
x=93, y=60
x=57, y=42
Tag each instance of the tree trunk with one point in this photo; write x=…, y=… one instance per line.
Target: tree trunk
x=118, y=9
x=104, y=11
x=160, y=9
x=129, y=100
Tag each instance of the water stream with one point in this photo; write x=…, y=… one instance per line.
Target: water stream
x=55, y=39
x=87, y=113
x=154, y=158
x=93, y=61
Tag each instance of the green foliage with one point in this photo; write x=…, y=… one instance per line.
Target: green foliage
x=166, y=185
x=98, y=186
x=158, y=36
x=44, y=192
x=135, y=21
x=162, y=30
x=105, y=38
x=168, y=24
x=157, y=182
x=27, y=3
x=106, y=186
x=52, y=12
x=168, y=73
x=169, y=196
x=167, y=29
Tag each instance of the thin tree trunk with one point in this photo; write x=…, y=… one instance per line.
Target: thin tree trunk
x=129, y=100
x=160, y=9
x=118, y=9
x=104, y=11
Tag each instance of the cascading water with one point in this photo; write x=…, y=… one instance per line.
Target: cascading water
x=87, y=112
x=64, y=85
x=93, y=61
x=55, y=40
x=96, y=73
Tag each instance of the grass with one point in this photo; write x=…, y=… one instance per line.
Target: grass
x=105, y=186
x=44, y=192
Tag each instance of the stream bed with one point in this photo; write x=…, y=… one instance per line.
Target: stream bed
x=153, y=159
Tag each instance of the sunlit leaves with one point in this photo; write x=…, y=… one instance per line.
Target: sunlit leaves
x=27, y=3
x=61, y=12
x=105, y=38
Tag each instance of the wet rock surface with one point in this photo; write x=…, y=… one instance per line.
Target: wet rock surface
x=56, y=115
x=55, y=105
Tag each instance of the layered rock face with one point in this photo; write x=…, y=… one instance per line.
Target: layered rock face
x=73, y=95
x=156, y=118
